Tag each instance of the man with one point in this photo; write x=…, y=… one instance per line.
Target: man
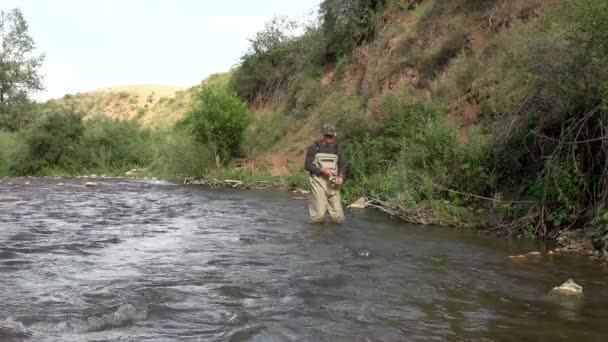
x=327, y=166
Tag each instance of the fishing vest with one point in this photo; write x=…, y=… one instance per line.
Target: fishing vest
x=322, y=160
x=329, y=160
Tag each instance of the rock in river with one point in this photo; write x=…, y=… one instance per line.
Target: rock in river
x=568, y=289
x=361, y=203
x=518, y=259
x=90, y=184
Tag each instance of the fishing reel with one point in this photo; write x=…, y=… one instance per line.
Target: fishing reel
x=334, y=181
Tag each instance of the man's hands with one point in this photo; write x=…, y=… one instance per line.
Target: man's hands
x=327, y=171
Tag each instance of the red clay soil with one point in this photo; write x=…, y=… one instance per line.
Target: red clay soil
x=279, y=163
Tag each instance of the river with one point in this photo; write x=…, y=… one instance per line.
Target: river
x=151, y=261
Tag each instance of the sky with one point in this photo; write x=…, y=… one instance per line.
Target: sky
x=93, y=44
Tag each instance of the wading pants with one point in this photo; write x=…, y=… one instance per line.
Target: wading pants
x=323, y=198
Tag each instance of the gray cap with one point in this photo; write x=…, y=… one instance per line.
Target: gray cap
x=328, y=129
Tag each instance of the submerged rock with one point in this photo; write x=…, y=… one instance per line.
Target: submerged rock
x=90, y=184
x=360, y=203
x=125, y=314
x=518, y=259
x=301, y=192
x=568, y=289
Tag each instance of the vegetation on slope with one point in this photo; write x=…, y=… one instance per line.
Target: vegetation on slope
x=460, y=110
x=150, y=105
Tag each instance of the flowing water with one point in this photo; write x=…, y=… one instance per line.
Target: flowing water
x=150, y=261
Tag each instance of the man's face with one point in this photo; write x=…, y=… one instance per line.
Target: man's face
x=329, y=139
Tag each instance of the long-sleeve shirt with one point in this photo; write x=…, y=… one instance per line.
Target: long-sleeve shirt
x=320, y=147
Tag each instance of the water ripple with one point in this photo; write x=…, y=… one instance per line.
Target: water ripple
x=152, y=261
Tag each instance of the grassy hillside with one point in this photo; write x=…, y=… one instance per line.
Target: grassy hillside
x=451, y=52
x=459, y=54
x=151, y=105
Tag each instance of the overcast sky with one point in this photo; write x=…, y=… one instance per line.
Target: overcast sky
x=92, y=44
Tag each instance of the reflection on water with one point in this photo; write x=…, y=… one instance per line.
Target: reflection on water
x=138, y=261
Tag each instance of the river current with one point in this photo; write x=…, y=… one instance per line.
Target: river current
x=152, y=261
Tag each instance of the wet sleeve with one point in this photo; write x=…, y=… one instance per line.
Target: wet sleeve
x=308, y=164
x=342, y=162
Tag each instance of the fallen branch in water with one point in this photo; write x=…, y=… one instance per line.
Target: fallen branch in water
x=411, y=215
x=236, y=184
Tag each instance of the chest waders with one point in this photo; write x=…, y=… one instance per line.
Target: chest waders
x=324, y=193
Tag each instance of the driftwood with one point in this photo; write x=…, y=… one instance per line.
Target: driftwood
x=236, y=184
x=411, y=215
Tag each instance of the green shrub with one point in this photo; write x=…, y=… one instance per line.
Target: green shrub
x=599, y=225
x=218, y=117
x=11, y=146
x=589, y=26
x=560, y=185
x=475, y=172
x=415, y=148
x=49, y=141
x=111, y=146
x=179, y=155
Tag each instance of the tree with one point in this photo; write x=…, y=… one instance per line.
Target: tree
x=347, y=23
x=19, y=69
x=276, y=53
x=218, y=118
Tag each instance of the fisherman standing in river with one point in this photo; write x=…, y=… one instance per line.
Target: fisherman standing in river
x=327, y=166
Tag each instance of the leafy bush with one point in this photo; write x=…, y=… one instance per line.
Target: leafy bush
x=415, y=146
x=589, y=26
x=179, y=155
x=111, y=146
x=219, y=118
x=16, y=113
x=49, y=141
x=600, y=227
x=11, y=146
